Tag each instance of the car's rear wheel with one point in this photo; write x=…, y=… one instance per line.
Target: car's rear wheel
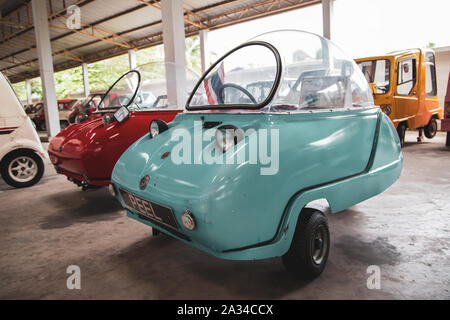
x=430, y=129
x=308, y=254
x=22, y=168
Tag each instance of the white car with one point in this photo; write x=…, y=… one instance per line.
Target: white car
x=21, y=151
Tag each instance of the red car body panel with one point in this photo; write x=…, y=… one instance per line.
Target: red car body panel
x=88, y=151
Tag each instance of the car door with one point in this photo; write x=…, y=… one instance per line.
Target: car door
x=406, y=100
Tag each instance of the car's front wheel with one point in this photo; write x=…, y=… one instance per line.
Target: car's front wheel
x=22, y=168
x=308, y=254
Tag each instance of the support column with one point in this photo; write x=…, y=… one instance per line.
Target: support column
x=132, y=58
x=86, y=80
x=327, y=17
x=28, y=90
x=44, y=52
x=174, y=50
x=204, y=49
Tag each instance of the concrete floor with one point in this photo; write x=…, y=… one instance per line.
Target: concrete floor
x=405, y=231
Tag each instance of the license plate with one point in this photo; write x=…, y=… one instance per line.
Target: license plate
x=150, y=209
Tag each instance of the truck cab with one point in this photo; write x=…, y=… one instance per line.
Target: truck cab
x=404, y=85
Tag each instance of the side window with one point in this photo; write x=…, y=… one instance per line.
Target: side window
x=381, y=76
x=406, y=78
x=430, y=75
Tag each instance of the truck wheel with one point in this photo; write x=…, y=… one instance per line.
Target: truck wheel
x=308, y=254
x=401, y=131
x=22, y=168
x=447, y=143
x=430, y=129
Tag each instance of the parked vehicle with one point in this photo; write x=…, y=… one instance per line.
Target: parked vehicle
x=404, y=86
x=87, y=151
x=445, y=123
x=64, y=110
x=84, y=108
x=247, y=178
x=21, y=152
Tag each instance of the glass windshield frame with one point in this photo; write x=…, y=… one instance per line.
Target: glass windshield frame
x=239, y=106
x=99, y=108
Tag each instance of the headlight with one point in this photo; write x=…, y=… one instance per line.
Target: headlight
x=386, y=109
x=448, y=108
x=227, y=136
x=156, y=127
x=188, y=220
x=107, y=119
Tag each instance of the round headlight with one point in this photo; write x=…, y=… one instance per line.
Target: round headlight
x=386, y=109
x=227, y=136
x=188, y=220
x=107, y=119
x=156, y=127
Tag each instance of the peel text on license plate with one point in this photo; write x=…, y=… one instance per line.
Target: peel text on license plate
x=150, y=209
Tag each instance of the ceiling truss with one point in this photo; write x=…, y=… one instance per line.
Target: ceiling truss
x=12, y=29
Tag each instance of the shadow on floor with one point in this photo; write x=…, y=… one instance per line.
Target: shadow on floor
x=173, y=268
x=77, y=206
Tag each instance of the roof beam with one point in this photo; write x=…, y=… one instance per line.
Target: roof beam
x=27, y=6
x=246, y=13
x=156, y=5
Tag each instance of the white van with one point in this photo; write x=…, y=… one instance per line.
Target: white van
x=21, y=152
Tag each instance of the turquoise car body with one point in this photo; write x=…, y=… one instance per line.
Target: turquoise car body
x=338, y=157
x=244, y=215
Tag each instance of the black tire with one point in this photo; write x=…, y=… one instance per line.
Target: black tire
x=301, y=260
x=447, y=142
x=401, y=131
x=13, y=156
x=430, y=129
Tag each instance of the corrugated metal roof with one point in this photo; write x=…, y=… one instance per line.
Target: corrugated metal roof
x=111, y=27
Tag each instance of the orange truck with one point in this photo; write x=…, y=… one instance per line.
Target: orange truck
x=404, y=85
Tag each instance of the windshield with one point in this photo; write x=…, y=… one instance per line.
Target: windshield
x=122, y=92
x=279, y=71
x=162, y=86
x=378, y=72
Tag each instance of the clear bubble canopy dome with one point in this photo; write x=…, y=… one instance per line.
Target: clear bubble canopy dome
x=283, y=71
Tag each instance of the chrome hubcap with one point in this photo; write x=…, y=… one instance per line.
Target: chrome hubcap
x=22, y=169
x=319, y=245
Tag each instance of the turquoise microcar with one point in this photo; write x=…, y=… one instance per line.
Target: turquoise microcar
x=277, y=133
